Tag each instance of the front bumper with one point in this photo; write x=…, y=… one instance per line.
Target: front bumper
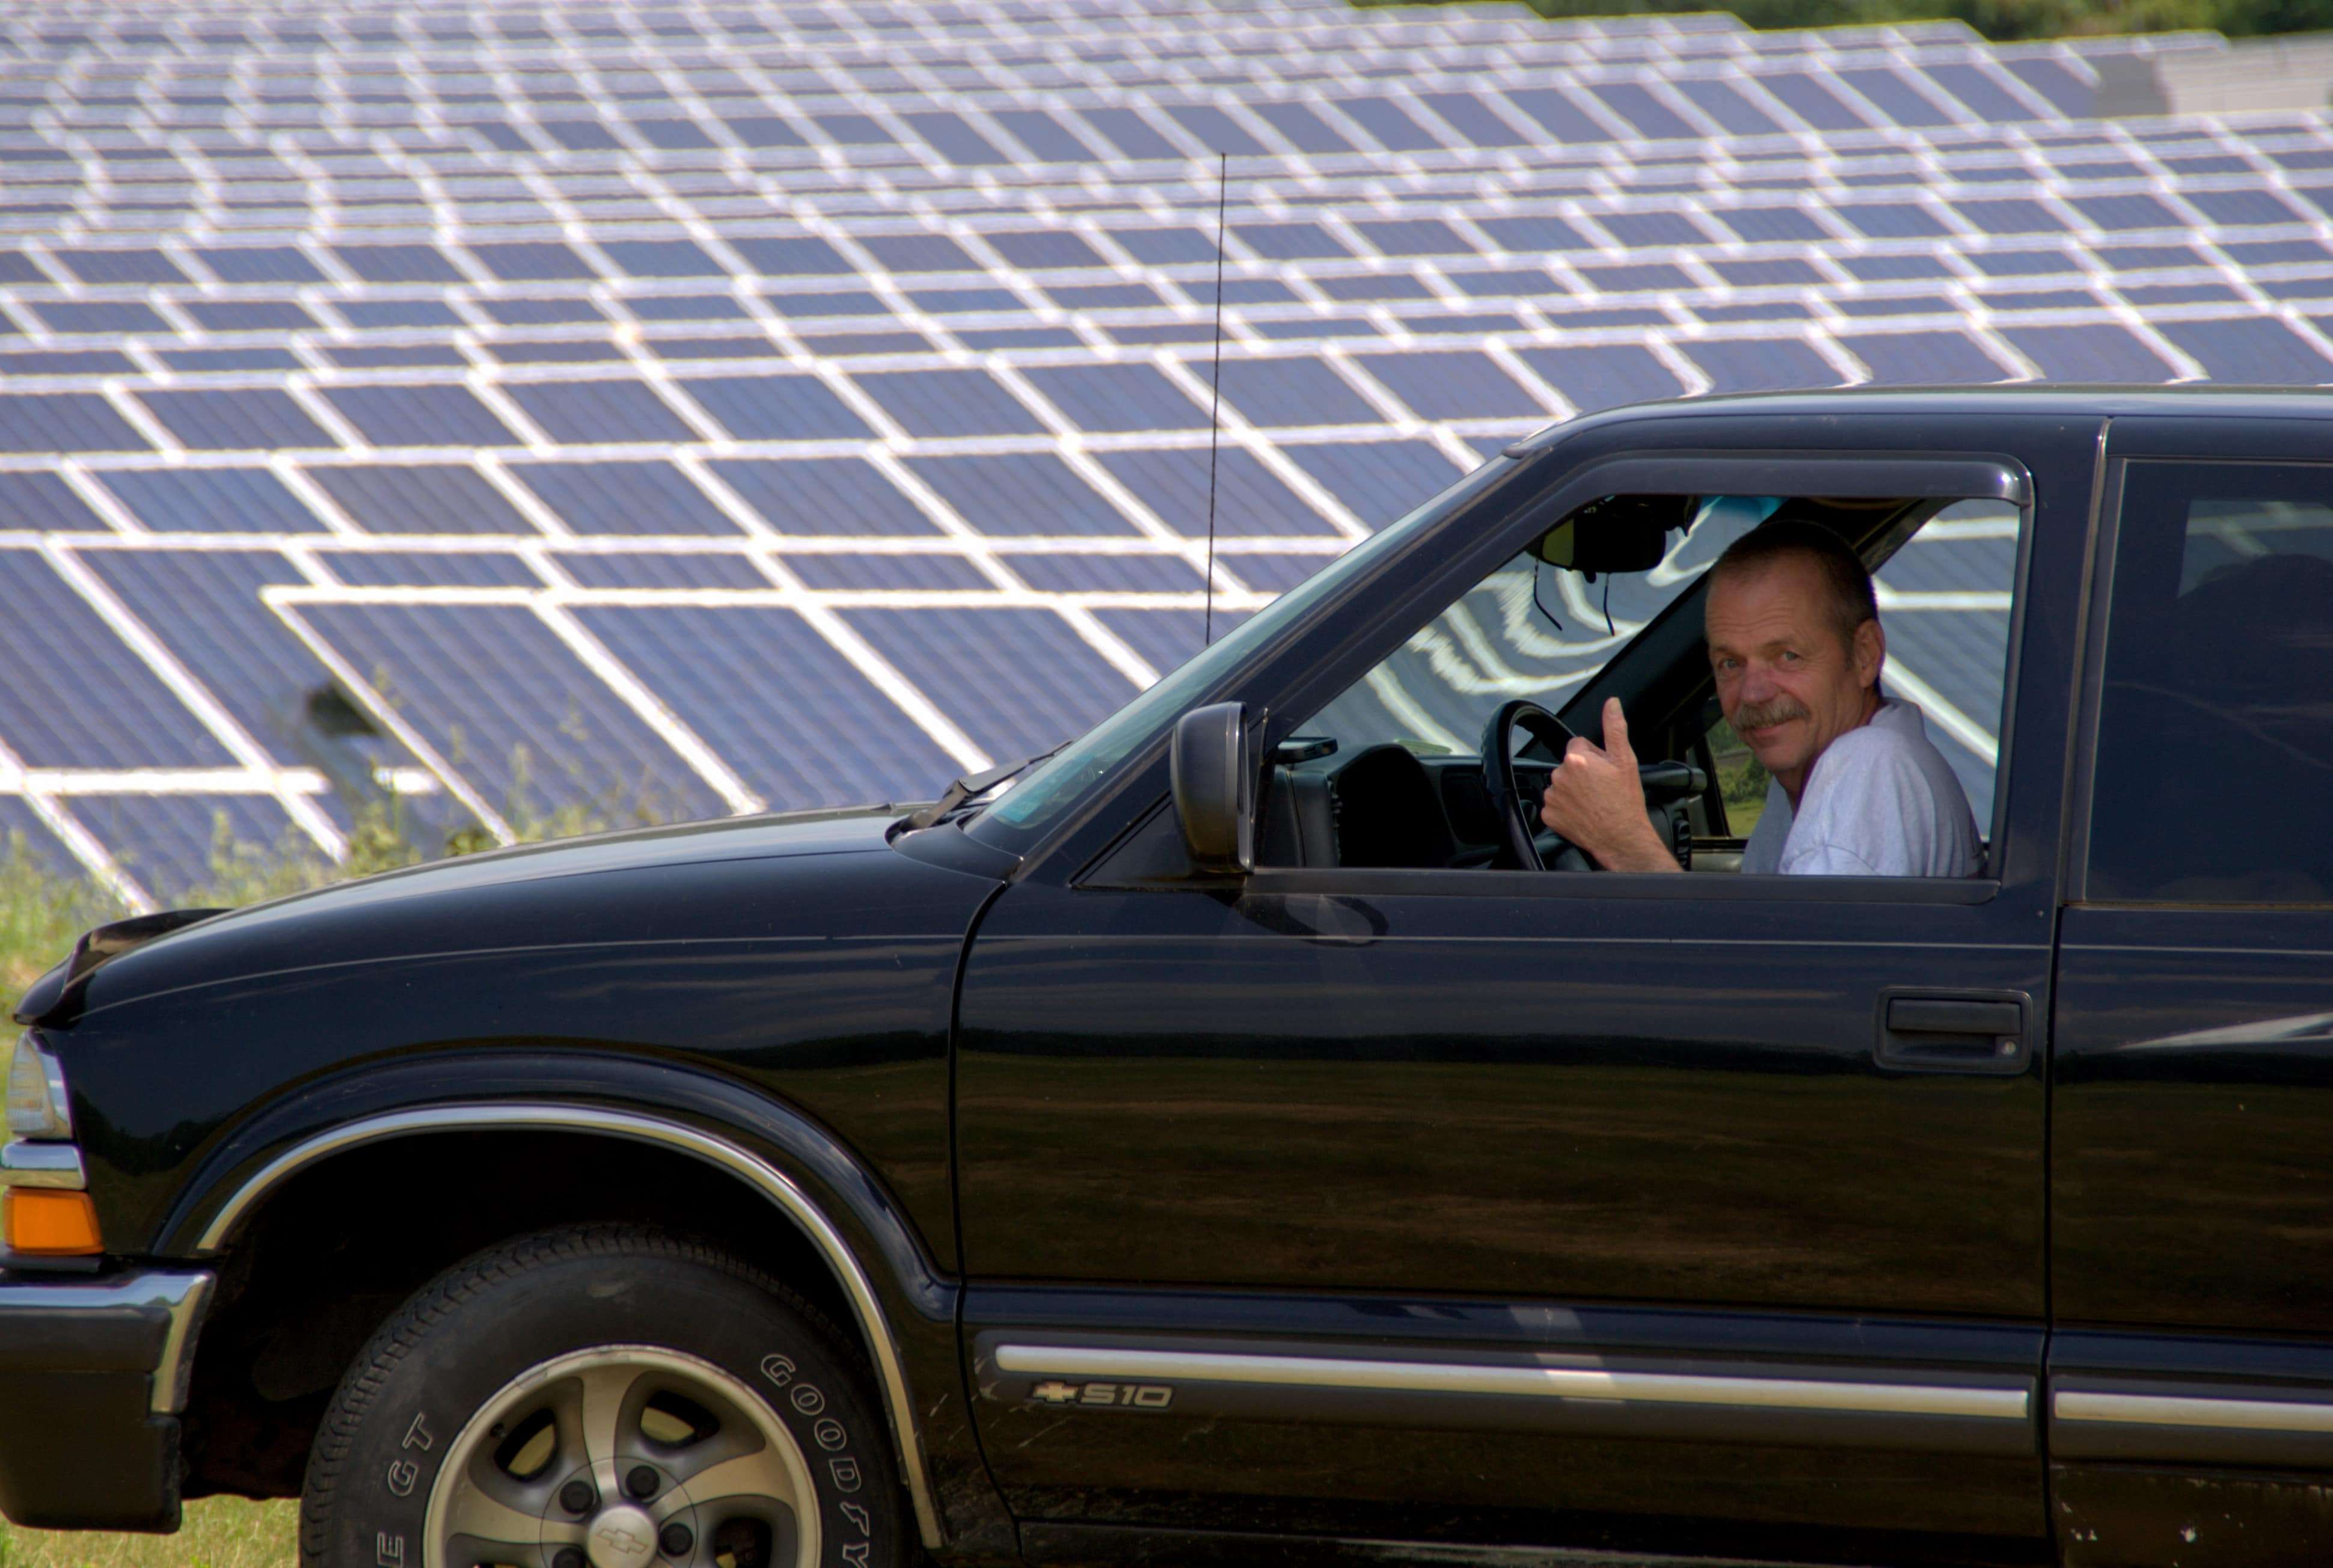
x=93, y=1377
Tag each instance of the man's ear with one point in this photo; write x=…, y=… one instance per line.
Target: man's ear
x=1867, y=651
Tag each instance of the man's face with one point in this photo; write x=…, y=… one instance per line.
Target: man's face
x=1788, y=683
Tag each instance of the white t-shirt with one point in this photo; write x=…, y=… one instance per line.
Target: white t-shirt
x=1881, y=801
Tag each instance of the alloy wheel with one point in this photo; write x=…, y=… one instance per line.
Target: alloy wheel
x=623, y=1456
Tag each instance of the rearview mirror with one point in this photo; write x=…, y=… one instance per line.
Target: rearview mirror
x=1616, y=534
x=1215, y=787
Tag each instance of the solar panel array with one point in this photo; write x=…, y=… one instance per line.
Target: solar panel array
x=709, y=406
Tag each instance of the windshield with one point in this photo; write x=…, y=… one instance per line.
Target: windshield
x=1029, y=806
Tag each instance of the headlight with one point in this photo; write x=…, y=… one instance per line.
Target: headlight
x=37, y=1106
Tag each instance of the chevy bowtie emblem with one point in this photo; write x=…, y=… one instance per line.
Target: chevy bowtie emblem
x=620, y=1543
x=1098, y=1396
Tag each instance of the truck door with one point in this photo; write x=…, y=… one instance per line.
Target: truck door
x=1677, y=1212
x=2192, y=1186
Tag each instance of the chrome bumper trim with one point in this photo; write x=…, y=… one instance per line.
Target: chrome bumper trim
x=174, y=1374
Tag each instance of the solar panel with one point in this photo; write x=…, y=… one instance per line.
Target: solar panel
x=598, y=412
x=822, y=496
x=1744, y=365
x=542, y=732
x=1007, y=494
x=419, y=415
x=1377, y=481
x=2258, y=350
x=1250, y=497
x=75, y=698
x=2094, y=352
x=64, y=422
x=942, y=402
x=852, y=572
x=465, y=328
x=240, y=419
x=1065, y=571
x=1924, y=359
x=429, y=569
x=432, y=498
x=1454, y=384
x=1024, y=680
x=205, y=607
x=661, y=569
x=1603, y=376
x=1293, y=393
x=44, y=502
x=1118, y=397
x=773, y=695
x=624, y=498
x=210, y=500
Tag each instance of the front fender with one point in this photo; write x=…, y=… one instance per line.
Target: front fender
x=904, y=1307
x=321, y=1116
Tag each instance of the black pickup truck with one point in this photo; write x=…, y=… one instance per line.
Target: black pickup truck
x=1243, y=1134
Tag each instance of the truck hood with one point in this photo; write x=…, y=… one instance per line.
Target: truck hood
x=606, y=886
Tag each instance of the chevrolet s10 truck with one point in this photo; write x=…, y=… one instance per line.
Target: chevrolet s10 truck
x=1245, y=1134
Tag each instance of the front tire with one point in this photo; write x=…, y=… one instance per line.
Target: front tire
x=604, y=1397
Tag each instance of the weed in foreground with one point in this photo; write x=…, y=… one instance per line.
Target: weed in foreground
x=40, y=913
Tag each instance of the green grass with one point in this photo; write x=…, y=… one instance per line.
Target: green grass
x=218, y=1533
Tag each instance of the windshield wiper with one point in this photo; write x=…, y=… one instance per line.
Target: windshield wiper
x=970, y=786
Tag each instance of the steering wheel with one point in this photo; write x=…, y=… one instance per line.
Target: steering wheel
x=1519, y=816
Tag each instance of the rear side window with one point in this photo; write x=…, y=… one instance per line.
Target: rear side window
x=2215, y=726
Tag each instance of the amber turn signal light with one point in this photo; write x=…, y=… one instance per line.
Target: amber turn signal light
x=42, y=1222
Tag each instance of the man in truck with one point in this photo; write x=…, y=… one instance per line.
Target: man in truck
x=1858, y=789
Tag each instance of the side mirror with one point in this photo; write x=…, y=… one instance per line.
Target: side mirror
x=1215, y=787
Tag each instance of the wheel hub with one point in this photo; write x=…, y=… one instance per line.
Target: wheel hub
x=622, y=1535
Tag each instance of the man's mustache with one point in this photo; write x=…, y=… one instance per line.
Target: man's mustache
x=1765, y=715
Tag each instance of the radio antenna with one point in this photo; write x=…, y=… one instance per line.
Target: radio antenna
x=1215, y=392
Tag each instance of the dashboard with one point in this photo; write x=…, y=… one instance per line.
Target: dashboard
x=1386, y=805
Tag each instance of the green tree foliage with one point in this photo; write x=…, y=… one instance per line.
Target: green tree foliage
x=1996, y=19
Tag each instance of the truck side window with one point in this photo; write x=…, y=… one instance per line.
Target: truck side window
x=1391, y=767
x=2215, y=722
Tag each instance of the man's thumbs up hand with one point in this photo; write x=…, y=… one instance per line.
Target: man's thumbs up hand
x=1616, y=737
x=1596, y=801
